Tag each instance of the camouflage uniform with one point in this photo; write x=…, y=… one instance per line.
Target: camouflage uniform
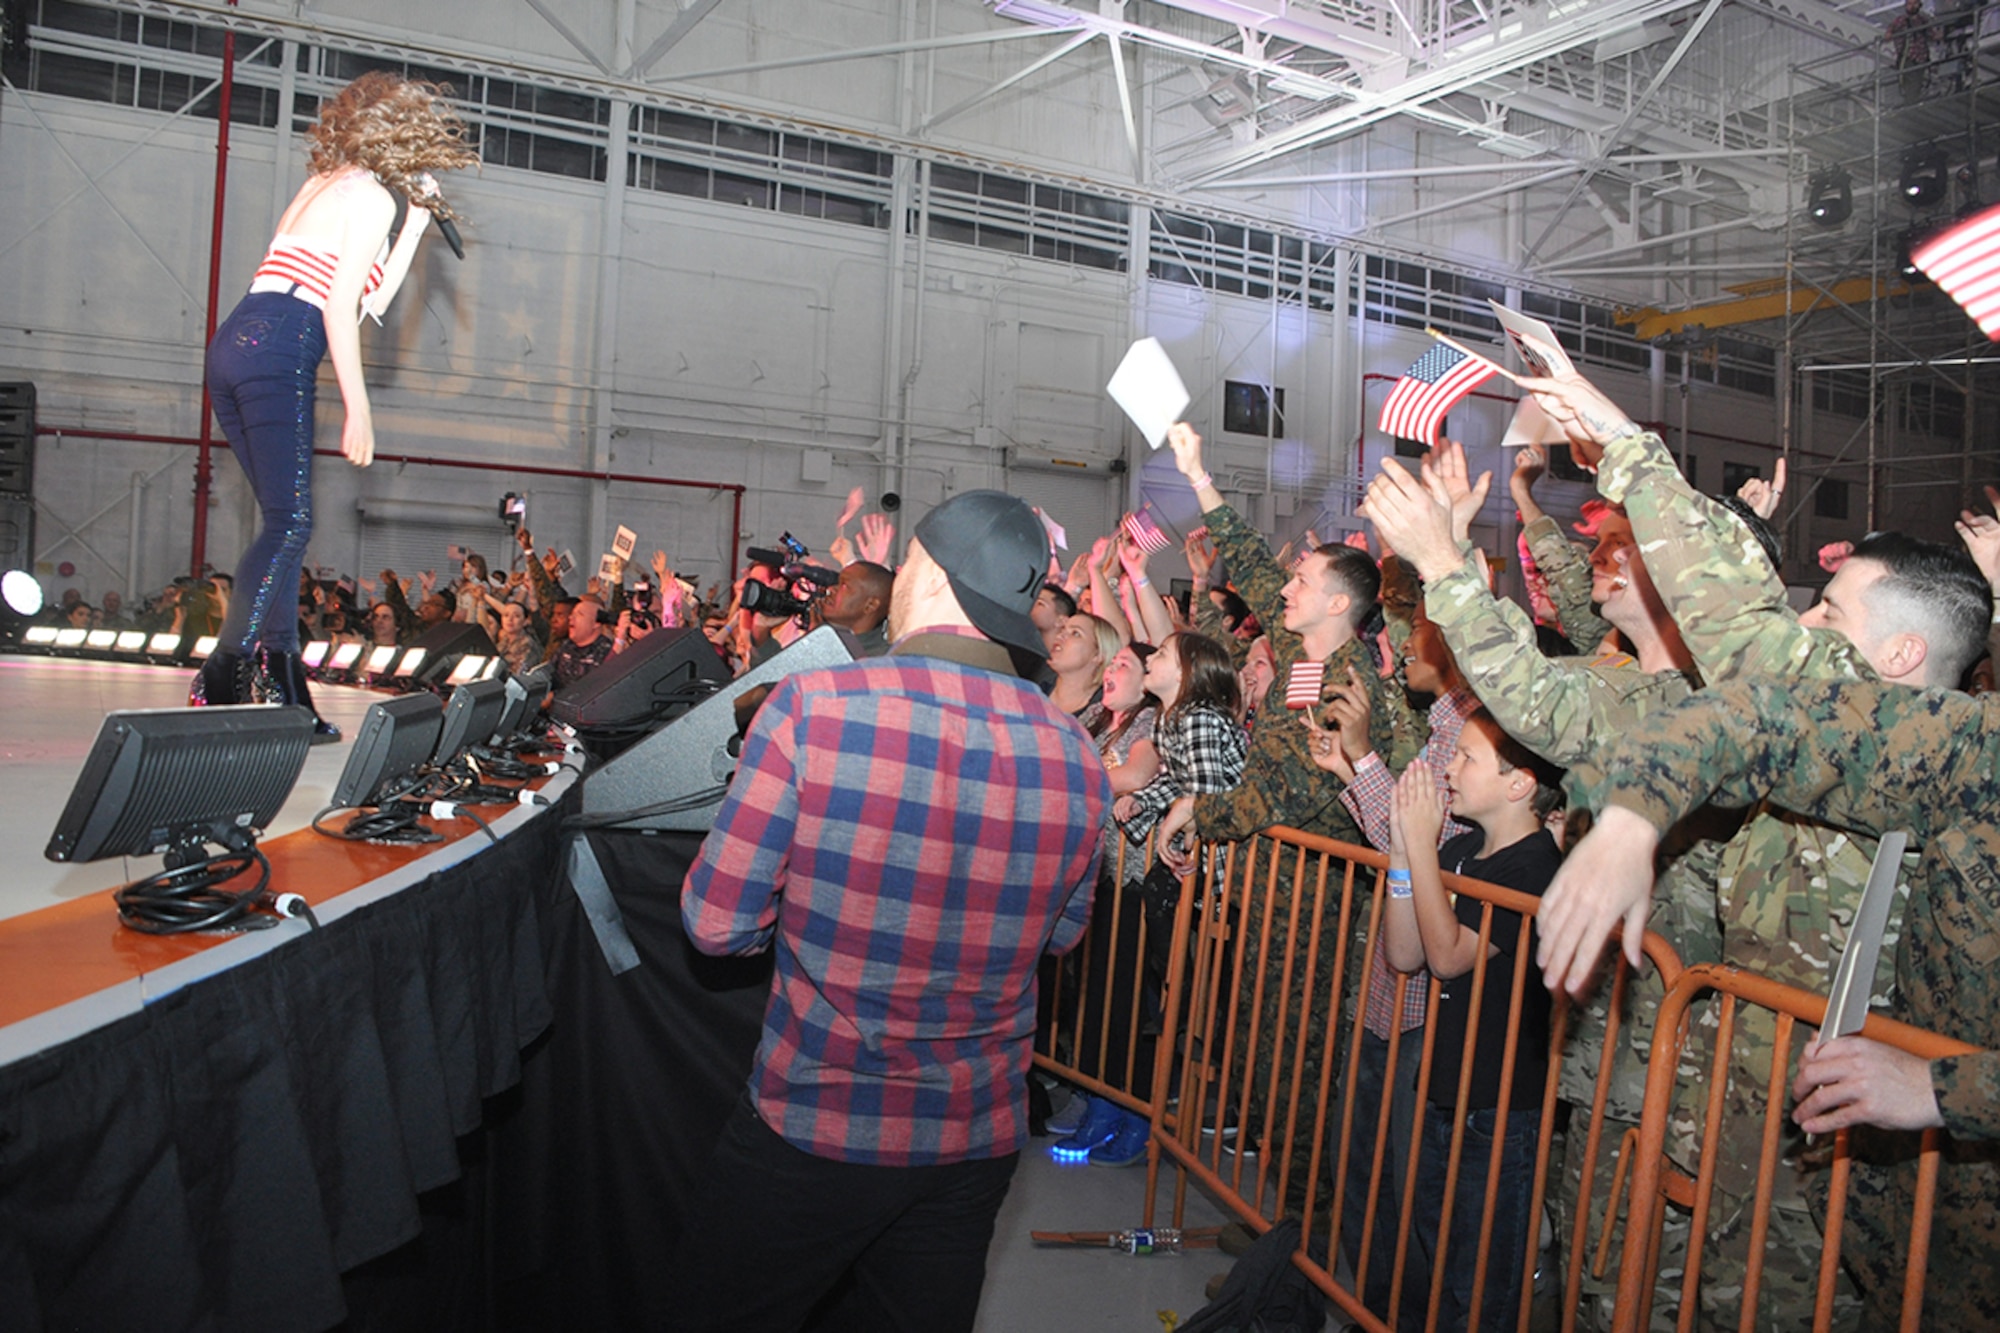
x=1875, y=757
x=1572, y=712
x=1283, y=787
x=1565, y=570
x=1785, y=888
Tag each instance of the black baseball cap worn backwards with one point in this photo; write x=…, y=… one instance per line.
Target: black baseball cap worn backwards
x=995, y=552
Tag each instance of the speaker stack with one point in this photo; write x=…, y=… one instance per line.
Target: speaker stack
x=17, y=475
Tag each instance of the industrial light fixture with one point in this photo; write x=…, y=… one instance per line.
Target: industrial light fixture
x=1923, y=180
x=20, y=602
x=1830, y=197
x=1906, y=243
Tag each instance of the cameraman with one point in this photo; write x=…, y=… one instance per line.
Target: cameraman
x=859, y=604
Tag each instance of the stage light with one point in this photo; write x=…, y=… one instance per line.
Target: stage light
x=41, y=636
x=203, y=647
x=132, y=641
x=174, y=780
x=395, y=739
x=164, y=645
x=1906, y=267
x=314, y=653
x=21, y=593
x=492, y=669
x=411, y=661
x=467, y=670
x=1830, y=197
x=344, y=657
x=380, y=660
x=71, y=638
x=1923, y=180
x=101, y=639
x=471, y=717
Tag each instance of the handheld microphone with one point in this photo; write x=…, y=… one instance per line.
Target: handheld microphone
x=449, y=230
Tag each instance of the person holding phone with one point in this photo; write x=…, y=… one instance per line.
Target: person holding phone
x=342, y=249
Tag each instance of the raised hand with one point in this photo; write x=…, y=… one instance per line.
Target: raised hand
x=1606, y=884
x=1444, y=472
x=428, y=581
x=1763, y=496
x=1587, y=417
x=1187, y=450
x=1417, y=812
x=842, y=551
x=1200, y=554
x=877, y=535
x=1981, y=535
x=1411, y=519
x=1324, y=745
x=1833, y=555
x=525, y=538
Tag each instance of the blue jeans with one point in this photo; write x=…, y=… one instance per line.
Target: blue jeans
x=1499, y=1302
x=1371, y=1074
x=263, y=368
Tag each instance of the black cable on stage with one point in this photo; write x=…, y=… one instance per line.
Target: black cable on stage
x=188, y=897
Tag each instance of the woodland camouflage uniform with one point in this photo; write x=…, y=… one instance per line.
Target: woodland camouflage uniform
x=1282, y=787
x=1875, y=757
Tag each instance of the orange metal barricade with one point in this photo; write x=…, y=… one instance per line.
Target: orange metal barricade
x=1253, y=1092
x=1655, y=1178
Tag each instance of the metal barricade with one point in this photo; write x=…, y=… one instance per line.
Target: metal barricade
x=1656, y=1180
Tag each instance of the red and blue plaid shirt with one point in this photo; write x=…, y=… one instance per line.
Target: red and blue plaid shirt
x=911, y=833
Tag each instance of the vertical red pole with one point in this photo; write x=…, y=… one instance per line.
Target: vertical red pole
x=203, y=473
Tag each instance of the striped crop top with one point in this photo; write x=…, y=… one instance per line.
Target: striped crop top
x=305, y=270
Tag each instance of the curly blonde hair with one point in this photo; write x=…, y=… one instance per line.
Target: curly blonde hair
x=395, y=127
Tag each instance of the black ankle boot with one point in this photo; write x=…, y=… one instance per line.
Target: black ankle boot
x=222, y=680
x=288, y=677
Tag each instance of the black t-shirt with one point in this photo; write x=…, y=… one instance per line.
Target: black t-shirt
x=1527, y=867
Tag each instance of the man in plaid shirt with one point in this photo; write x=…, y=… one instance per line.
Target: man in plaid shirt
x=911, y=834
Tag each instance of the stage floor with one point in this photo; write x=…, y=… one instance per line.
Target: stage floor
x=50, y=711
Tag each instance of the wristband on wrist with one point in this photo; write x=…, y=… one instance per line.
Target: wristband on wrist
x=1141, y=581
x=1399, y=884
x=1197, y=483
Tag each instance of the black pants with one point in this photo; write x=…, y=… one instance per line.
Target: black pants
x=772, y=1230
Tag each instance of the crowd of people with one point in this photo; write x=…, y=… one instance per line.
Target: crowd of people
x=1459, y=732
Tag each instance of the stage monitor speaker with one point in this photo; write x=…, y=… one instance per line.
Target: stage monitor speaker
x=661, y=676
x=444, y=644
x=17, y=532
x=676, y=778
x=17, y=438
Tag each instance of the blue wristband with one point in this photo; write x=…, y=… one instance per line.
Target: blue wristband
x=1399, y=884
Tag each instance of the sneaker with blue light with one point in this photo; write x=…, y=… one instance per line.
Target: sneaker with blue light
x=1127, y=1144
x=1099, y=1124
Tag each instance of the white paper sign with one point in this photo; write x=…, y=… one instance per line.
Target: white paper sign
x=610, y=568
x=1057, y=537
x=1540, y=349
x=1148, y=387
x=1531, y=425
x=622, y=544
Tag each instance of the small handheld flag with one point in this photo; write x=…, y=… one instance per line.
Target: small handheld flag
x=1302, y=689
x=1145, y=533
x=1430, y=388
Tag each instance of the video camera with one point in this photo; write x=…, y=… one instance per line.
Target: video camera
x=805, y=583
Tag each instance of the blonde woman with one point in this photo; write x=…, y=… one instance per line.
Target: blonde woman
x=338, y=255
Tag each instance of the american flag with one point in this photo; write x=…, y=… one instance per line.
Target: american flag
x=1430, y=388
x=1146, y=533
x=1965, y=261
x=1302, y=690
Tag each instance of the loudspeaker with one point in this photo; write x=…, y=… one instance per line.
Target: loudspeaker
x=662, y=675
x=17, y=438
x=676, y=778
x=443, y=645
x=17, y=532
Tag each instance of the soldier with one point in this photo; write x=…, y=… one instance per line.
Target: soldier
x=1785, y=889
x=1872, y=757
x=1570, y=711
x=1311, y=614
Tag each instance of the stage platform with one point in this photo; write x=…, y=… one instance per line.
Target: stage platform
x=50, y=711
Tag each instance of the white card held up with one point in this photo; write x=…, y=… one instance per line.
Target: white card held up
x=1057, y=536
x=1537, y=343
x=1148, y=387
x=610, y=568
x=622, y=544
x=1531, y=425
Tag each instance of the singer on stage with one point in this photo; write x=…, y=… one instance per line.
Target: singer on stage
x=343, y=247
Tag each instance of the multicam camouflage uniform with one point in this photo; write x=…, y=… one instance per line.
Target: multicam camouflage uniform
x=1283, y=787
x=1785, y=888
x=1571, y=712
x=1565, y=570
x=1875, y=757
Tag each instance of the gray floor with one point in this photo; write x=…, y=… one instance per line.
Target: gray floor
x=1036, y=1288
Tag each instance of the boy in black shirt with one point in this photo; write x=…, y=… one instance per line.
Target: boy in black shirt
x=1507, y=793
